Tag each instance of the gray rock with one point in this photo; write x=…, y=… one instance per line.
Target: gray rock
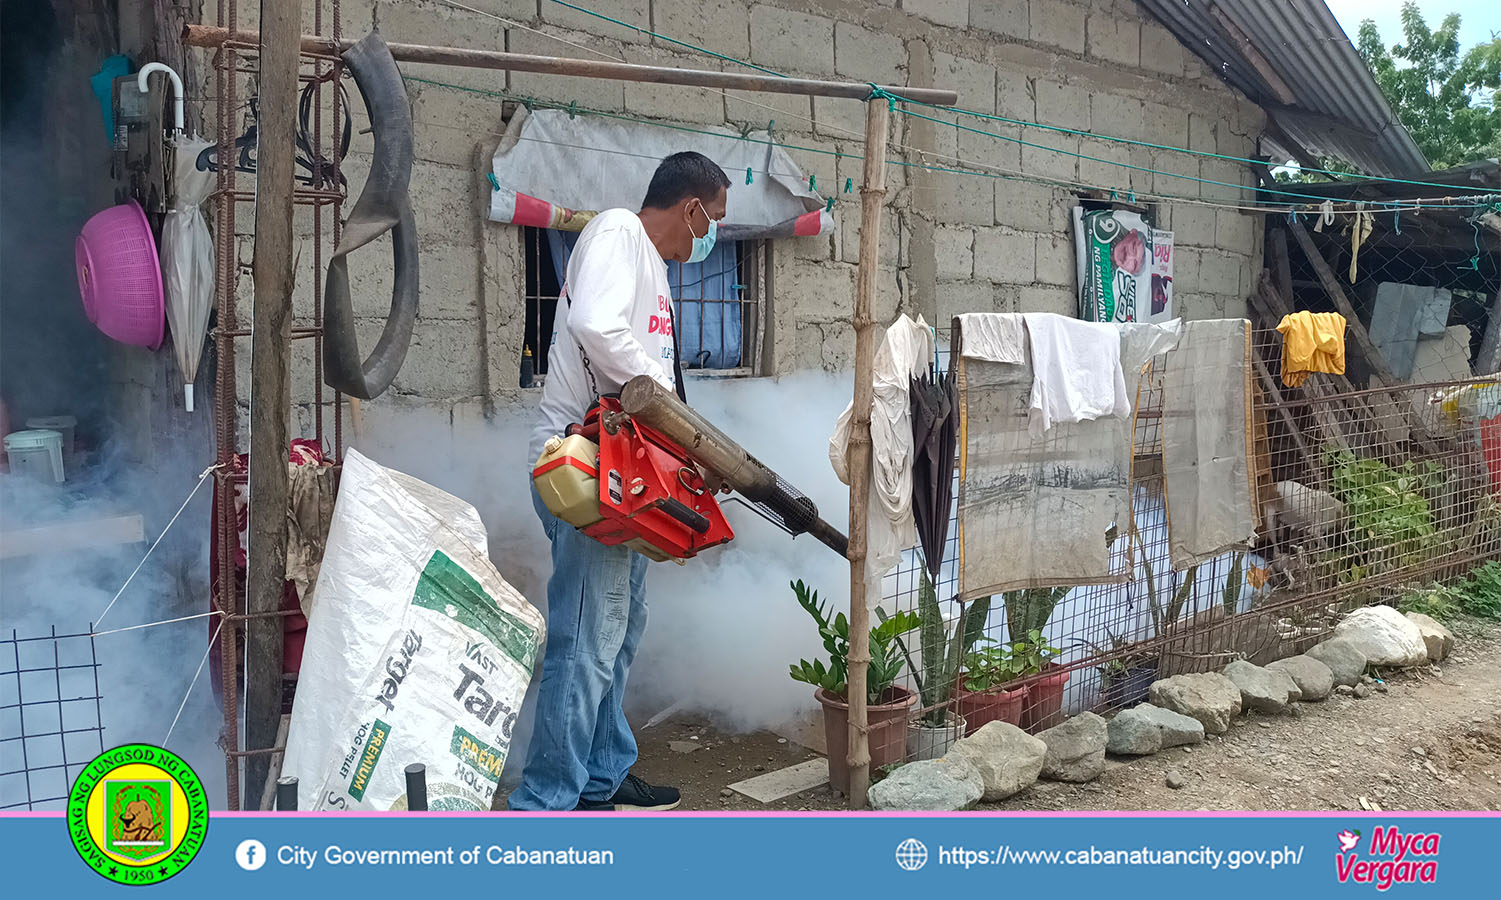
x=1438, y=639
x=929, y=784
x=1362, y=691
x=1343, y=657
x=1076, y=749
x=1314, y=679
x=1146, y=729
x=1209, y=697
x=1345, y=689
x=1262, y=689
x=1385, y=636
x=1007, y=758
x=1175, y=779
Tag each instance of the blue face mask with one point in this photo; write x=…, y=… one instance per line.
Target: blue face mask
x=703, y=246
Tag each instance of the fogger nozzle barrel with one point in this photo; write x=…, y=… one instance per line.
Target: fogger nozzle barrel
x=644, y=399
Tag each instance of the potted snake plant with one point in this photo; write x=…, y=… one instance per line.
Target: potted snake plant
x=887, y=704
x=937, y=725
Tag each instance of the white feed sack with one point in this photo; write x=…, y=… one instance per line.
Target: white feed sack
x=417, y=652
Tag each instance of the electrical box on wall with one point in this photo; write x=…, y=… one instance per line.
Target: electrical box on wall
x=138, y=162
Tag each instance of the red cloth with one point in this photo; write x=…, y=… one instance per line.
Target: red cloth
x=1490, y=446
x=302, y=452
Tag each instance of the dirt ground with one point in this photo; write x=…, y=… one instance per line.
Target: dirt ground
x=1431, y=740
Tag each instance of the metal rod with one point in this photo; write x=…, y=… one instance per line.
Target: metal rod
x=416, y=787
x=872, y=200
x=286, y=793
x=211, y=36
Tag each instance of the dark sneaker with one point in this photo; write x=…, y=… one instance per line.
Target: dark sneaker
x=635, y=795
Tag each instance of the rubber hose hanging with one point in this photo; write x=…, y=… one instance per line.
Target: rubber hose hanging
x=383, y=205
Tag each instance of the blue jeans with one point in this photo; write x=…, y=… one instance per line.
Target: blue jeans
x=582, y=746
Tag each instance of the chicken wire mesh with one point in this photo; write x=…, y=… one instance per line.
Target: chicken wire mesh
x=1362, y=495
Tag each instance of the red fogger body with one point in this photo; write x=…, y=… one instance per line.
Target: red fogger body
x=645, y=490
x=633, y=473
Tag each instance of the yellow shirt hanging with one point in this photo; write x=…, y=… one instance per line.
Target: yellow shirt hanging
x=1311, y=342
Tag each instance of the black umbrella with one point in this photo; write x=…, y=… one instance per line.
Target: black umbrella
x=934, y=436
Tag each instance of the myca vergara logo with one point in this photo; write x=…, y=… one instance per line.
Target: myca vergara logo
x=137, y=814
x=1391, y=858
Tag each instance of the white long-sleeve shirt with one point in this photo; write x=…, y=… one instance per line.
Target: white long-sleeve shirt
x=613, y=322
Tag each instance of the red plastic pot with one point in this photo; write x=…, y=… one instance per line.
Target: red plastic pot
x=1044, y=706
x=887, y=724
x=997, y=704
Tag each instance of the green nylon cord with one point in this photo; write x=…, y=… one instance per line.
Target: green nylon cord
x=892, y=99
x=533, y=102
x=671, y=40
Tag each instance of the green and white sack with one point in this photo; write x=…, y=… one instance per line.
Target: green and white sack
x=417, y=652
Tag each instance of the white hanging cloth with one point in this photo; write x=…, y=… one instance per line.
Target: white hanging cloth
x=903, y=354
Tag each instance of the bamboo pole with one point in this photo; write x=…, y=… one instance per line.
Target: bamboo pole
x=212, y=36
x=270, y=392
x=872, y=199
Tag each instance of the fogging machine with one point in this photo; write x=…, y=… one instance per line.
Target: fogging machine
x=643, y=469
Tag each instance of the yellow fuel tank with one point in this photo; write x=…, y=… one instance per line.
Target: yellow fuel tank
x=567, y=478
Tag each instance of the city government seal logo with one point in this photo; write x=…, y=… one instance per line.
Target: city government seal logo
x=137, y=814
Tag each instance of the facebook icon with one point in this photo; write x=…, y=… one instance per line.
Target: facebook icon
x=251, y=854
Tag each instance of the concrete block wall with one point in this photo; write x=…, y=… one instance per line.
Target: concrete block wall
x=950, y=242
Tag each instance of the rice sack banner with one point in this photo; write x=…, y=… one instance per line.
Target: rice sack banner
x=1125, y=267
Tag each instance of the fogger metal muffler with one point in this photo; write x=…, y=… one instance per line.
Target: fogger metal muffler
x=630, y=474
x=646, y=401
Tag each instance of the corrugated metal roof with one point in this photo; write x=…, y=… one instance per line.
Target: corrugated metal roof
x=1337, y=109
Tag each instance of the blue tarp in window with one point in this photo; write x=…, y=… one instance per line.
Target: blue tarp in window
x=708, y=301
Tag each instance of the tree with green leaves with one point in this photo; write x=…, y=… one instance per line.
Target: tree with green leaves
x=1446, y=100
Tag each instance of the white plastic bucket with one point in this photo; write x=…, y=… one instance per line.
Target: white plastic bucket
x=64, y=425
x=38, y=453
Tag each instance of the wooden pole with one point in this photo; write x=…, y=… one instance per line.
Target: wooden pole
x=270, y=391
x=872, y=200
x=212, y=36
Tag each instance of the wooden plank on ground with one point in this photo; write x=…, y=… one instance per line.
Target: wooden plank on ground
x=773, y=786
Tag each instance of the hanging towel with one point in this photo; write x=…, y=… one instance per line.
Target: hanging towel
x=1360, y=229
x=1076, y=372
x=1311, y=342
x=1207, y=442
x=903, y=354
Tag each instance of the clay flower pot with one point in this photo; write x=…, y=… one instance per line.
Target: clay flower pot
x=887, y=724
x=1044, y=706
x=1002, y=703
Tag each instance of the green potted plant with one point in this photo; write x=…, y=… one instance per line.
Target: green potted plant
x=986, y=692
x=937, y=726
x=1127, y=675
x=1027, y=614
x=888, y=704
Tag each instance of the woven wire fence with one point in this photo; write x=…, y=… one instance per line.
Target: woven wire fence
x=1361, y=496
x=51, y=722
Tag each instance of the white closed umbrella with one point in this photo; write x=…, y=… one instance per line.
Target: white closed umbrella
x=187, y=250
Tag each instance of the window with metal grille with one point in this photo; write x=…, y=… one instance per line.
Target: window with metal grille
x=719, y=311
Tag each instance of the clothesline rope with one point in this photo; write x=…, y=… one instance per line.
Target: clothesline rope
x=189, y=692
x=191, y=494
x=1022, y=122
x=1410, y=205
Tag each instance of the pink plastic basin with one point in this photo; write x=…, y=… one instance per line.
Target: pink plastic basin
x=120, y=276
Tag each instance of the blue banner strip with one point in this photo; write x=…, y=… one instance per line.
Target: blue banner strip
x=734, y=855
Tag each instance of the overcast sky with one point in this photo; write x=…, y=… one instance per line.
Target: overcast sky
x=1477, y=18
